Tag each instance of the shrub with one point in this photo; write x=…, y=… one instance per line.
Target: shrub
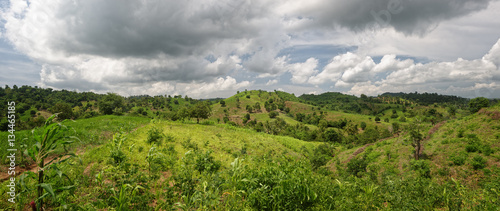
x=187, y=144
x=402, y=119
x=273, y=114
x=357, y=166
x=362, y=125
x=116, y=153
x=477, y=103
x=331, y=135
x=321, y=155
x=155, y=135
x=422, y=167
x=206, y=162
x=459, y=159
x=486, y=150
x=478, y=162
x=169, y=138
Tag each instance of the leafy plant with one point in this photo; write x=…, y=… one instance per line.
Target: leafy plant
x=153, y=158
x=459, y=159
x=273, y=114
x=478, y=162
x=321, y=155
x=206, y=162
x=155, y=136
x=422, y=167
x=123, y=198
x=47, y=141
x=116, y=153
x=357, y=166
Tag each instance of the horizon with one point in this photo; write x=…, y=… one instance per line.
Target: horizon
x=212, y=49
x=239, y=91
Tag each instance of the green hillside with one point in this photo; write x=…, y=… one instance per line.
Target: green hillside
x=286, y=153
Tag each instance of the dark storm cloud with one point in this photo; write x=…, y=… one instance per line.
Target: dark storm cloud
x=407, y=16
x=146, y=28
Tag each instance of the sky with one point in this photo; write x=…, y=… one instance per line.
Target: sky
x=213, y=48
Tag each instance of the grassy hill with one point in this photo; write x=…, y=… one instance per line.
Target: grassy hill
x=192, y=166
x=307, y=157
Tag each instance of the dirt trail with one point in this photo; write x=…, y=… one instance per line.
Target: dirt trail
x=362, y=149
x=431, y=131
x=32, y=167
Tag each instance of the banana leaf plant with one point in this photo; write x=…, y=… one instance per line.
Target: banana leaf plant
x=48, y=140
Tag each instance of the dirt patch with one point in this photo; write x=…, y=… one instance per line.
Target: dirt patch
x=86, y=172
x=495, y=115
x=32, y=167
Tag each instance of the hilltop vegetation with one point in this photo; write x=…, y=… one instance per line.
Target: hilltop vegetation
x=259, y=150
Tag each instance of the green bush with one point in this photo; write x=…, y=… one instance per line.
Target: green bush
x=116, y=154
x=422, y=167
x=478, y=162
x=459, y=159
x=357, y=166
x=321, y=155
x=187, y=144
x=155, y=135
x=273, y=114
x=169, y=138
x=206, y=162
x=363, y=125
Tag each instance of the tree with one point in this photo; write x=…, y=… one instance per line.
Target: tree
x=377, y=119
x=452, y=110
x=201, y=110
x=323, y=124
x=273, y=114
x=249, y=109
x=351, y=129
x=109, y=102
x=395, y=127
x=223, y=103
x=331, y=135
x=416, y=138
x=64, y=109
x=363, y=125
x=256, y=107
x=477, y=103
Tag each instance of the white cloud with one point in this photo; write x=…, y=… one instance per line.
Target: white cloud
x=271, y=82
x=460, y=77
x=347, y=67
x=302, y=71
x=220, y=86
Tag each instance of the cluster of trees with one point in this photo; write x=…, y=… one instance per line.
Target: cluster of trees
x=428, y=98
x=31, y=102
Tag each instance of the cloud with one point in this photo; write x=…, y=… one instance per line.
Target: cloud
x=271, y=82
x=115, y=44
x=406, y=16
x=347, y=67
x=204, y=90
x=207, y=48
x=302, y=71
x=461, y=77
